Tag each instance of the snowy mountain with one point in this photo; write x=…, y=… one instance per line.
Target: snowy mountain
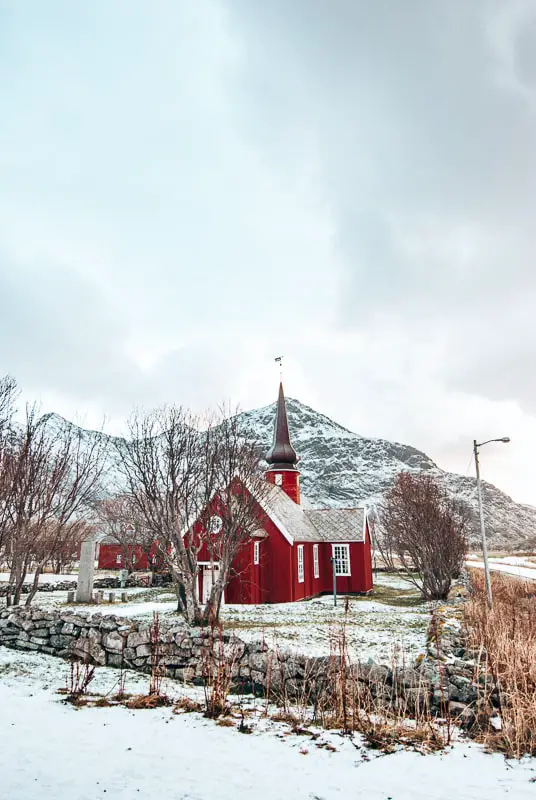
x=341, y=468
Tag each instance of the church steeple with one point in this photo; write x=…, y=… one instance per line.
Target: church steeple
x=282, y=457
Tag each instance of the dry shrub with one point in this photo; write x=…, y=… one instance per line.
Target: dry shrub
x=140, y=701
x=218, y=663
x=79, y=676
x=505, y=638
x=158, y=667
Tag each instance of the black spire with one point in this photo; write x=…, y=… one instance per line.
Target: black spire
x=281, y=455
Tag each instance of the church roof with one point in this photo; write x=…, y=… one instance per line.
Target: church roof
x=338, y=524
x=312, y=525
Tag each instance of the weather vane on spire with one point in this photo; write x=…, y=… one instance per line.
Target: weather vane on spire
x=279, y=360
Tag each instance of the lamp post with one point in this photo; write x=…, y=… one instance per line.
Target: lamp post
x=334, y=567
x=476, y=445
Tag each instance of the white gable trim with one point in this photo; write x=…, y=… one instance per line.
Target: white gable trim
x=269, y=513
x=365, y=519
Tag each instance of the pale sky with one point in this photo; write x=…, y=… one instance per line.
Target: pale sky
x=189, y=188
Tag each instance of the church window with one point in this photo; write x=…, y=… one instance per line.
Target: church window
x=341, y=556
x=279, y=479
x=316, y=566
x=256, y=552
x=301, y=574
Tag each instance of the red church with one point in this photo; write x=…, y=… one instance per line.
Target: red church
x=296, y=550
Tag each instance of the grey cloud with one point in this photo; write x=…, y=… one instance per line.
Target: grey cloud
x=418, y=139
x=58, y=330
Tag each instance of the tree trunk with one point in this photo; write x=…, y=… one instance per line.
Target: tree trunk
x=188, y=605
x=16, y=581
x=35, y=584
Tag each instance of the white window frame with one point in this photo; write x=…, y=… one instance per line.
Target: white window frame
x=278, y=479
x=301, y=563
x=341, y=556
x=256, y=552
x=118, y=558
x=316, y=565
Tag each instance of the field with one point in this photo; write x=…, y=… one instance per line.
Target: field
x=92, y=753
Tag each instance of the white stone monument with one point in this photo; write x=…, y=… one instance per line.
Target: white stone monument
x=84, y=590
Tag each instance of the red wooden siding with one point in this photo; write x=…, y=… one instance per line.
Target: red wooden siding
x=290, y=482
x=111, y=556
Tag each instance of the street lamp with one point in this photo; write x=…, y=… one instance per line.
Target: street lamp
x=476, y=445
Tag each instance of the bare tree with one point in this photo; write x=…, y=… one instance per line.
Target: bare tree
x=160, y=466
x=8, y=393
x=175, y=466
x=67, y=550
x=234, y=486
x=425, y=529
x=119, y=519
x=50, y=479
x=54, y=541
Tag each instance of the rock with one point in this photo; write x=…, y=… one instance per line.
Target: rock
x=462, y=714
x=138, y=637
x=143, y=650
x=89, y=648
x=60, y=642
x=372, y=673
x=39, y=640
x=113, y=641
x=67, y=628
x=409, y=678
x=257, y=661
x=108, y=624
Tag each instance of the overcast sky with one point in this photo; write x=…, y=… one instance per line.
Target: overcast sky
x=189, y=188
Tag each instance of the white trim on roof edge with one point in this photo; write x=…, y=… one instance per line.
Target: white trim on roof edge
x=269, y=513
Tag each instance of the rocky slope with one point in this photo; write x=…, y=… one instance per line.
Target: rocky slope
x=341, y=468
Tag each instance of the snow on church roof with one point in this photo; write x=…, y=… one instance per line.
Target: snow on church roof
x=312, y=525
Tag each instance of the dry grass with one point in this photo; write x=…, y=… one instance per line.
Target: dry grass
x=218, y=663
x=187, y=706
x=340, y=700
x=505, y=638
x=148, y=701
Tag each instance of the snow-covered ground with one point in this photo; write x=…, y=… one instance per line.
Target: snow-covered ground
x=47, y=577
x=50, y=751
x=521, y=568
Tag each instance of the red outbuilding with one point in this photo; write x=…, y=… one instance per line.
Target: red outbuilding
x=297, y=550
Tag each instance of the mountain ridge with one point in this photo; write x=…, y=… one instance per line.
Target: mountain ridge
x=341, y=468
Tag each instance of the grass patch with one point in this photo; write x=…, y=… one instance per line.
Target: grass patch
x=505, y=637
x=391, y=596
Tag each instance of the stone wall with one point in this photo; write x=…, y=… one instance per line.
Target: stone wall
x=441, y=679
x=112, y=582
